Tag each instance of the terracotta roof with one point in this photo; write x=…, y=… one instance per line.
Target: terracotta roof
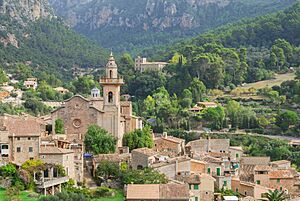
x=194, y=178
x=157, y=192
x=173, y=139
x=210, y=159
x=142, y=191
x=111, y=157
x=262, y=168
x=282, y=174
x=25, y=125
x=54, y=150
x=250, y=160
x=280, y=162
x=173, y=192
x=145, y=151
x=218, y=154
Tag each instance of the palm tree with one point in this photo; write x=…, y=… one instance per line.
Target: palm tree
x=275, y=195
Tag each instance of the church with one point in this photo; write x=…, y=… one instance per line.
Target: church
x=108, y=112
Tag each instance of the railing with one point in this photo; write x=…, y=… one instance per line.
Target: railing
x=52, y=182
x=111, y=80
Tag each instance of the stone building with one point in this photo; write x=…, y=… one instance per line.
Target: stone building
x=201, y=186
x=142, y=65
x=20, y=138
x=169, y=145
x=109, y=112
x=31, y=83
x=55, y=155
x=143, y=158
x=208, y=145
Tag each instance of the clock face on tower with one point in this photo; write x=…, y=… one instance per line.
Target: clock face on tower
x=76, y=123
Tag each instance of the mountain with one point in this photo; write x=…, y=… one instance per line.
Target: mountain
x=31, y=34
x=128, y=25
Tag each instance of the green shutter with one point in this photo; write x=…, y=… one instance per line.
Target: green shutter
x=225, y=183
x=196, y=187
x=218, y=171
x=208, y=170
x=196, y=198
x=258, y=182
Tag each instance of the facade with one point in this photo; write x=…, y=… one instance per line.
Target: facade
x=157, y=192
x=143, y=157
x=31, y=83
x=20, y=138
x=208, y=145
x=142, y=65
x=169, y=145
x=108, y=112
x=55, y=155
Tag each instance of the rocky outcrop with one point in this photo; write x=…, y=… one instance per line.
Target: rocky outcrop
x=25, y=9
x=20, y=12
x=150, y=14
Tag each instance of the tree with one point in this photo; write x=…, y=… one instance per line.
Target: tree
x=99, y=141
x=107, y=170
x=59, y=126
x=275, y=195
x=84, y=84
x=3, y=76
x=198, y=90
x=286, y=119
x=216, y=116
x=139, y=138
x=8, y=170
x=145, y=176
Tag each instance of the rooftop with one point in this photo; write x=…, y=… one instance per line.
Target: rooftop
x=157, y=192
x=145, y=151
x=54, y=150
x=282, y=174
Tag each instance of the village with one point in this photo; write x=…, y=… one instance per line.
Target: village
x=198, y=170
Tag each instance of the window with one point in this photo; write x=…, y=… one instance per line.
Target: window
x=31, y=158
x=18, y=149
x=258, y=182
x=237, y=155
x=218, y=171
x=208, y=170
x=110, y=97
x=30, y=149
x=110, y=74
x=278, y=180
x=29, y=138
x=245, y=192
x=196, y=187
x=280, y=188
x=196, y=198
x=190, y=186
x=224, y=183
x=18, y=138
x=237, y=190
x=43, y=156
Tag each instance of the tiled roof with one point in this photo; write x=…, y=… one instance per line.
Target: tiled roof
x=262, y=168
x=249, y=160
x=210, y=159
x=173, y=191
x=111, y=157
x=282, y=174
x=146, y=151
x=280, y=162
x=142, y=191
x=173, y=139
x=25, y=125
x=54, y=150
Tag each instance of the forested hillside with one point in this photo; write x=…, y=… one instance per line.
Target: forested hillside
x=120, y=25
x=43, y=42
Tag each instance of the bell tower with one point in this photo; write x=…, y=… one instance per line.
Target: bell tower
x=111, y=83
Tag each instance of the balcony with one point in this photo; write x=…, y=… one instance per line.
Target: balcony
x=52, y=182
x=106, y=80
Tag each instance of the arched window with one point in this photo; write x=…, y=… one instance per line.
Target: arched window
x=110, y=74
x=110, y=97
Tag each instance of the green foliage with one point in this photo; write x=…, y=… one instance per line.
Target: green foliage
x=64, y=196
x=36, y=107
x=216, y=116
x=139, y=138
x=9, y=170
x=107, y=170
x=275, y=195
x=99, y=141
x=286, y=119
x=59, y=126
x=33, y=165
x=83, y=85
x=3, y=76
x=145, y=176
